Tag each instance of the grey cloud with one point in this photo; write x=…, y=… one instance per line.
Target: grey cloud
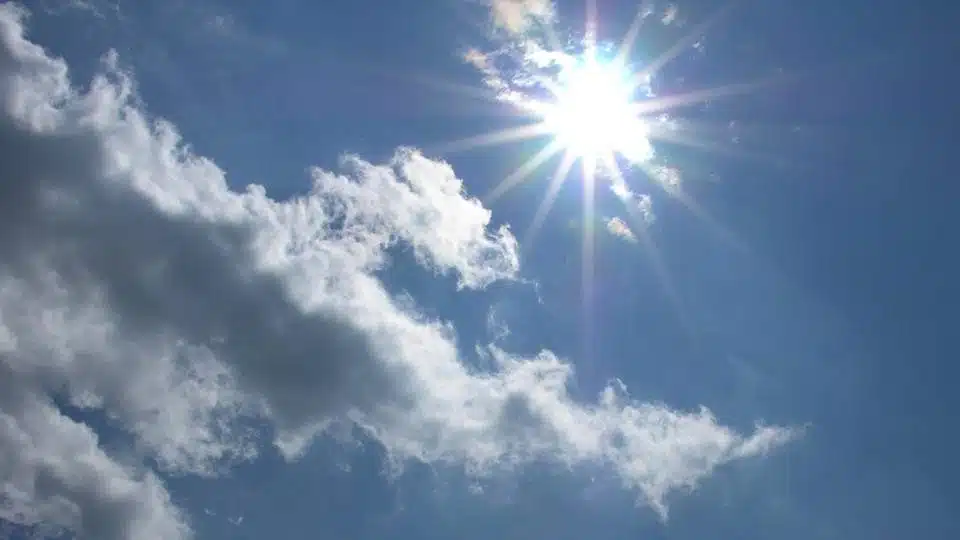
x=55, y=474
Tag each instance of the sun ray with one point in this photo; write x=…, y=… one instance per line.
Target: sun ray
x=689, y=39
x=610, y=165
x=498, y=137
x=687, y=135
x=549, y=196
x=588, y=262
x=652, y=252
x=652, y=106
x=523, y=171
x=482, y=93
x=630, y=37
x=677, y=193
x=590, y=26
x=588, y=170
x=639, y=226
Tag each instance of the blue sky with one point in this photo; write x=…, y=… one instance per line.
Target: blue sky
x=252, y=282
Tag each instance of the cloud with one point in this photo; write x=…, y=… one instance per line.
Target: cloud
x=497, y=328
x=620, y=229
x=669, y=14
x=134, y=281
x=516, y=16
x=639, y=205
x=518, y=73
x=54, y=474
x=95, y=8
x=667, y=177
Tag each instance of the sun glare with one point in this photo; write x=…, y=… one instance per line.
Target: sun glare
x=594, y=108
x=592, y=113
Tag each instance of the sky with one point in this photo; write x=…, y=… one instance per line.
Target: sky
x=470, y=268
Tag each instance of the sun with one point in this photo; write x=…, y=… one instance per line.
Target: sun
x=593, y=114
x=594, y=105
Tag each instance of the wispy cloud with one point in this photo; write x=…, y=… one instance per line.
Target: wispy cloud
x=669, y=14
x=518, y=71
x=620, y=229
x=638, y=204
x=522, y=63
x=136, y=282
x=516, y=16
x=95, y=8
x=497, y=328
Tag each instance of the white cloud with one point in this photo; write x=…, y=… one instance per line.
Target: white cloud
x=519, y=71
x=620, y=229
x=516, y=16
x=134, y=281
x=668, y=177
x=639, y=205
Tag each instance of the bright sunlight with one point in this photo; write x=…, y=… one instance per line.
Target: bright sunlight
x=598, y=109
x=593, y=106
x=593, y=114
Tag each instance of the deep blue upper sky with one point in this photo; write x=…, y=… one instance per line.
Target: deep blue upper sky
x=821, y=291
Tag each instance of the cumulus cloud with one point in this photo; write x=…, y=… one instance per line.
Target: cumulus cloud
x=55, y=475
x=134, y=281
